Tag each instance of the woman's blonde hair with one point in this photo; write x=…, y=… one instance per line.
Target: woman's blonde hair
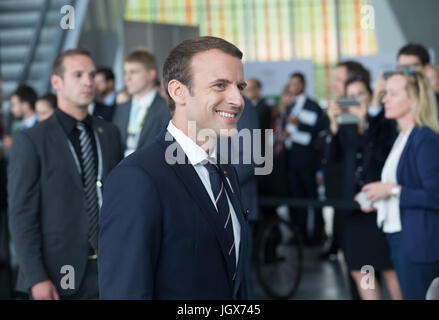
x=418, y=87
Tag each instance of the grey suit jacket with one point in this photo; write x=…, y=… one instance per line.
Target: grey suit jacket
x=47, y=210
x=158, y=117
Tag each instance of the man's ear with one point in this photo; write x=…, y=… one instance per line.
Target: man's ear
x=177, y=91
x=55, y=81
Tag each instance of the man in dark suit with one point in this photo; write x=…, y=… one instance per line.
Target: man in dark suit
x=55, y=177
x=142, y=118
x=304, y=122
x=172, y=223
x=105, y=104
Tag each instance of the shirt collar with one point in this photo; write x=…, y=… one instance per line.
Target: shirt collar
x=110, y=99
x=194, y=152
x=69, y=123
x=29, y=122
x=146, y=100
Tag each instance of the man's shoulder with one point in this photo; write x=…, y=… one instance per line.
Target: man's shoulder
x=39, y=130
x=161, y=105
x=310, y=103
x=121, y=109
x=106, y=125
x=150, y=157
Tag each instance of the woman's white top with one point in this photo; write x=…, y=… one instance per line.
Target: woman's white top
x=388, y=215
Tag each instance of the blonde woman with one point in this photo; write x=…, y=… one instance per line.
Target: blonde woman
x=407, y=197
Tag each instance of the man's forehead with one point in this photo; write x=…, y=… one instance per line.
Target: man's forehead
x=78, y=62
x=216, y=64
x=410, y=58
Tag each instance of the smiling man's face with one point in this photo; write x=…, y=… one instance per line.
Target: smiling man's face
x=215, y=100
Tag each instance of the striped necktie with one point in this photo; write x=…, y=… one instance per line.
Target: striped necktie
x=224, y=216
x=89, y=182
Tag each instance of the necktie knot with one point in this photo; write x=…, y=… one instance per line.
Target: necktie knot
x=211, y=167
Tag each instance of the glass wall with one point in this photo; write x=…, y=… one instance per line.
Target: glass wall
x=272, y=30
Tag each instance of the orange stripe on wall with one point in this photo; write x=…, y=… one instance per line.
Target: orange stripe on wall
x=221, y=17
x=279, y=23
x=358, y=27
x=162, y=11
x=188, y=12
x=267, y=28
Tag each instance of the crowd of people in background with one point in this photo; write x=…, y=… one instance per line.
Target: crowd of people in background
x=380, y=149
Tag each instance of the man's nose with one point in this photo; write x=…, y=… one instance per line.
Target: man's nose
x=234, y=97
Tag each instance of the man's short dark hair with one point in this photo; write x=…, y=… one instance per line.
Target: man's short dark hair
x=26, y=94
x=354, y=70
x=177, y=64
x=106, y=72
x=358, y=79
x=418, y=50
x=51, y=99
x=300, y=76
x=58, y=66
x=258, y=83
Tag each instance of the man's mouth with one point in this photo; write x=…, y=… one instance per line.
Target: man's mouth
x=227, y=114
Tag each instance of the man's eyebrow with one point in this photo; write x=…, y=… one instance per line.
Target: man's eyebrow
x=242, y=84
x=220, y=80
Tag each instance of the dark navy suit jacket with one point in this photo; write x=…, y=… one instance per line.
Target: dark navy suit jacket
x=418, y=174
x=158, y=237
x=306, y=156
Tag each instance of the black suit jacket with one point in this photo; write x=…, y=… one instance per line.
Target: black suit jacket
x=103, y=111
x=157, y=118
x=308, y=155
x=159, y=238
x=47, y=208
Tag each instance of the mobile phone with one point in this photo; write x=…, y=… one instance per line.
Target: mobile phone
x=346, y=102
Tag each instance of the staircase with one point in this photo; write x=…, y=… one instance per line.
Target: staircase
x=30, y=38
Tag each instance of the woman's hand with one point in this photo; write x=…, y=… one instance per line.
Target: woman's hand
x=377, y=190
x=365, y=210
x=333, y=111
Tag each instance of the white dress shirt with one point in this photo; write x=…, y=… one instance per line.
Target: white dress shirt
x=197, y=157
x=388, y=213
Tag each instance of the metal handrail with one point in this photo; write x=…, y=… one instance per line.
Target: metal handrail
x=34, y=42
x=304, y=203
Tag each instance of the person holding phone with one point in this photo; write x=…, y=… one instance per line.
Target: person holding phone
x=363, y=148
x=406, y=197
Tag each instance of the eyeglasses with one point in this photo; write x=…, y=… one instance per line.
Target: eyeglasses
x=408, y=71
x=409, y=66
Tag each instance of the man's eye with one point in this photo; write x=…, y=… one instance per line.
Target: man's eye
x=219, y=85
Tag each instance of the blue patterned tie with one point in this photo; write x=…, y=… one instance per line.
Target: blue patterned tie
x=224, y=214
x=89, y=182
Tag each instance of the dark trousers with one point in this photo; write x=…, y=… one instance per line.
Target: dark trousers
x=414, y=277
x=303, y=185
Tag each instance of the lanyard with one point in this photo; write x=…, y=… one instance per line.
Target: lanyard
x=100, y=166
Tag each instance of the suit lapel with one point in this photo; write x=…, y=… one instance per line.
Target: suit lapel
x=125, y=110
x=149, y=119
x=59, y=142
x=405, y=154
x=196, y=189
x=104, y=152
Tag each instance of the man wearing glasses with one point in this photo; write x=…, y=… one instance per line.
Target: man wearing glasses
x=415, y=57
